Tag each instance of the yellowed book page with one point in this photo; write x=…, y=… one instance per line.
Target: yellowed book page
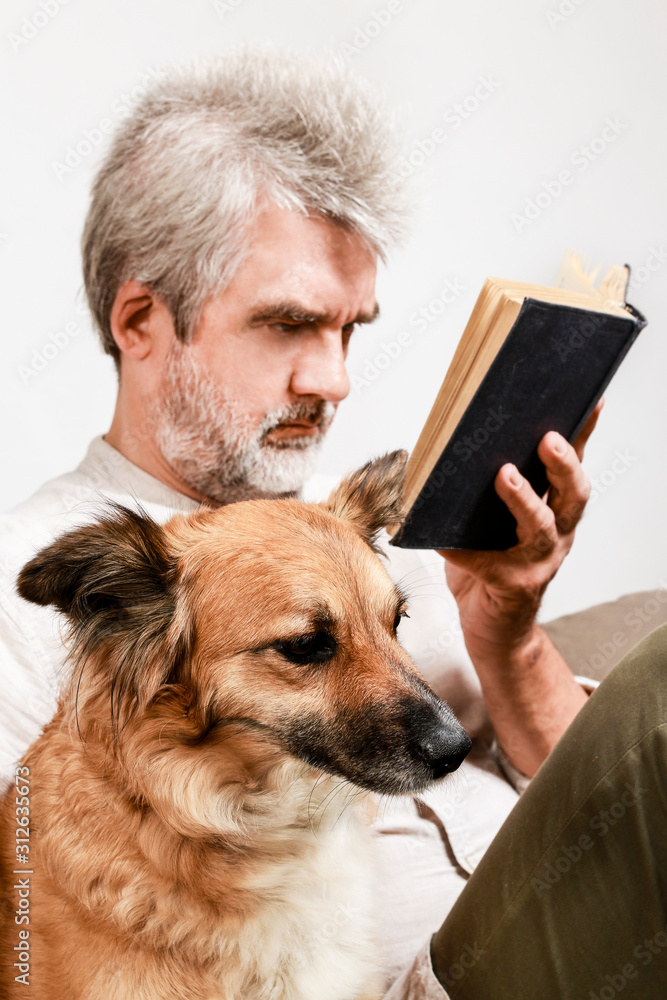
x=463, y=378
x=614, y=285
x=487, y=302
x=595, y=303
x=573, y=275
x=478, y=350
x=467, y=385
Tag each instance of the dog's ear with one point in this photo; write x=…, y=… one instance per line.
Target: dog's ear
x=371, y=498
x=115, y=580
x=101, y=568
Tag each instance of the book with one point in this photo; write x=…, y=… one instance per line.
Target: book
x=531, y=359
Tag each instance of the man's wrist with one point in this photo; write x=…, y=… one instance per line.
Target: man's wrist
x=518, y=645
x=531, y=696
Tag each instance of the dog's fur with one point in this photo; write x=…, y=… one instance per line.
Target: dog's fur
x=236, y=675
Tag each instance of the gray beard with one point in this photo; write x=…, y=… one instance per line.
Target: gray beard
x=218, y=451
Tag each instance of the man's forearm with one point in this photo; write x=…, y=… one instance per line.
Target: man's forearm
x=531, y=696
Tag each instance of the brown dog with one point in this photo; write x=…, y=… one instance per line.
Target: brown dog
x=232, y=671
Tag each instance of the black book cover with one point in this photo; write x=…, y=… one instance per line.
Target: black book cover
x=553, y=367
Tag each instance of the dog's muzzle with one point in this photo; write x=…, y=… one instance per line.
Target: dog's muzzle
x=394, y=748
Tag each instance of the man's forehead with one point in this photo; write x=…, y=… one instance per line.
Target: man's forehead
x=299, y=244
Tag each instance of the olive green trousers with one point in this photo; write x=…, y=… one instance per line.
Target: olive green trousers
x=570, y=900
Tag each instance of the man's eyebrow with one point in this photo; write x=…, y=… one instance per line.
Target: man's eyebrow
x=370, y=317
x=295, y=312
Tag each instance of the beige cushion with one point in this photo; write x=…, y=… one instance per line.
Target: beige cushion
x=595, y=640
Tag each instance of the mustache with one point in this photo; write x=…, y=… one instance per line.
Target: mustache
x=319, y=411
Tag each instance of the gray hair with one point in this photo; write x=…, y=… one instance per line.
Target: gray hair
x=174, y=197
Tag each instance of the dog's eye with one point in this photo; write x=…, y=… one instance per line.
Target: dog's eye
x=397, y=619
x=317, y=647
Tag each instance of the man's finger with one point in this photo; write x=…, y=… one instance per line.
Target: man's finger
x=570, y=487
x=535, y=520
x=587, y=429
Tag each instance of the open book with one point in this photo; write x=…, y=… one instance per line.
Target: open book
x=531, y=359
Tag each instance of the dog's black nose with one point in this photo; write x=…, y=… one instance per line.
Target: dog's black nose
x=444, y=749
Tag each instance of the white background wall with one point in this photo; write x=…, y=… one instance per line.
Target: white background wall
x=556, y=69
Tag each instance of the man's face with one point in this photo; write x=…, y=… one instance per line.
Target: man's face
x=243, y=408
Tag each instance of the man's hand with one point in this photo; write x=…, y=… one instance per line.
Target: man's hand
x=499, y=593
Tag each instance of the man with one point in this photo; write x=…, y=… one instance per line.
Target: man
x=229, y=253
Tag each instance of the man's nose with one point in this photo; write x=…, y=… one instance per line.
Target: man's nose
x=319, y=369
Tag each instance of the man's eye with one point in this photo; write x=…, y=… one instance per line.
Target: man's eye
x=285, y=327
x=317, y=647
x=348, y=330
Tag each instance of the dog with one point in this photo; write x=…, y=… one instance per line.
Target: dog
x=232, y=672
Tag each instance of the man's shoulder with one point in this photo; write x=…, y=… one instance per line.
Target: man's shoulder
x=103, y=478
x=59, y=504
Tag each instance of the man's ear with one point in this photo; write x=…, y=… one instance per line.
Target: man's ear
x=116, y=581
x=371, y=498
x=133, y=317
